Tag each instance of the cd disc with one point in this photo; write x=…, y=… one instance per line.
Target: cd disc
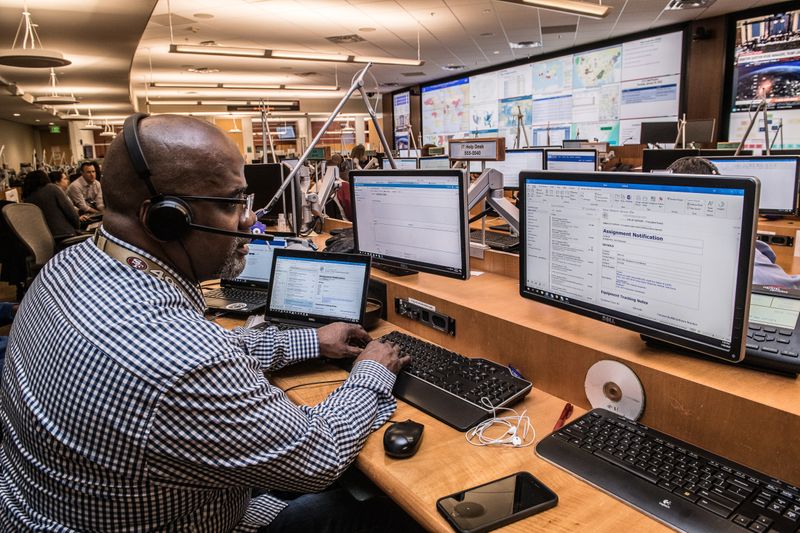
x=613, y=386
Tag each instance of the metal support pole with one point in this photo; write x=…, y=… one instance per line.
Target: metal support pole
x=766, y=127
x=358, y=85
x=750, y=126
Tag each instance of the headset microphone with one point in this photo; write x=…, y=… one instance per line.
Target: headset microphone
x=168, y=218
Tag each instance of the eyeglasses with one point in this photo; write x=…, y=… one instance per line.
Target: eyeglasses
x=246, y=201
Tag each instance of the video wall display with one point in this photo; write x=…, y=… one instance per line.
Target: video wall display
x=767, y=65
x=602, y=94
x=402, y=118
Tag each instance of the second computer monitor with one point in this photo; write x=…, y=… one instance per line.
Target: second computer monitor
x=515, y=162
x=439, y=162
x=412, y=219
x=667, y=255
x=779, y=177
x=402, y=163
x=575, y=160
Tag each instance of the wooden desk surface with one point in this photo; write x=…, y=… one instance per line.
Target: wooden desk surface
x=446, y=463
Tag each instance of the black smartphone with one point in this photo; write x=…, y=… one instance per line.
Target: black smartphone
x=497, y=503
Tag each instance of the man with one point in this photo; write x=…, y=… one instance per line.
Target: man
x=85, y=192
x=124, y=409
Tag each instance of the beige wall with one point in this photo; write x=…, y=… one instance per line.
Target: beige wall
x=19, y=141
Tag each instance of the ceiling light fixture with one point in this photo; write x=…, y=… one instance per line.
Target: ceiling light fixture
x=91, y=126
x=108, y=131
x=676, y=5
x=28, y=56
x=244, y=86
x=570, y=7
x=289, y=54
x=526, y=44
x=216, y=102
x=453, y=67
x=54, y=98
x=73, y=115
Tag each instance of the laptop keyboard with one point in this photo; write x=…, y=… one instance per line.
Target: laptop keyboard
x=239, y=295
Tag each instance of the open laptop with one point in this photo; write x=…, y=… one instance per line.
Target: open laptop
x=311, y=289
x=247, y=292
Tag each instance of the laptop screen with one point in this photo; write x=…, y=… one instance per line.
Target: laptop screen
x=259, y=264
x=318, y=287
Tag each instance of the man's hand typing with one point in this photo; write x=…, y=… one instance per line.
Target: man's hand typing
x=340, y=340
x=385, y=353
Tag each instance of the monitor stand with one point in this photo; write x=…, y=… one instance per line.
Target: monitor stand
x=392, y=269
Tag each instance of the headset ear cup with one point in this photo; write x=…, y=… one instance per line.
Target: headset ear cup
x=168, y=218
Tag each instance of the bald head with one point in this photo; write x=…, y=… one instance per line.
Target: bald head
x=186, y=156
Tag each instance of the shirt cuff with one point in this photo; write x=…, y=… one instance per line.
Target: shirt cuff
x=382, y=376
x=302, y=344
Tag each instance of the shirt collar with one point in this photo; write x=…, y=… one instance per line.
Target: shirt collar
x=189, y=289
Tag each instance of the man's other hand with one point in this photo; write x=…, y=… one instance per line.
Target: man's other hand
x=340, y=340
x=385, y=353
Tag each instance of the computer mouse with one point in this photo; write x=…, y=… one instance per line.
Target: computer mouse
x=469, y=509
x=401, y=439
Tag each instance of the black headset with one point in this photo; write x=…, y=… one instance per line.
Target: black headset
x=167, y=218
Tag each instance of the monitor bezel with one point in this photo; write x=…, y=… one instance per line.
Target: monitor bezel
x=513, y=151
x=431, y=158
x=796, y=159
x=324, y=256
x=548, y=151
x=430, y=268
x=670, y=335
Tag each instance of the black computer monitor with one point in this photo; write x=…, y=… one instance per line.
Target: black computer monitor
x=779, y=176
x=412, y=219
x=667, y=255
x=786, y=151
x=402, y=163
x=438, y=162
x=264, y=180
x=516, y=161
x=578, y=160
x=658, y=132
x=662, y=159
x=713, y=152
x=700, y=131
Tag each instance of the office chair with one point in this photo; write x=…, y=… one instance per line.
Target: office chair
x=27, y=224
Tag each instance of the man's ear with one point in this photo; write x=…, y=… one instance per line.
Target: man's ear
x=143, y=207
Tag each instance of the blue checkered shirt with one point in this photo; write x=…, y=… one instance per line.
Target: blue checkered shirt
x=123, y=409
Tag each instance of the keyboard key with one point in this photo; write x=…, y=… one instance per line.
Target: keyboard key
x=770, y=329
x=622, y=464
x=764, y=520
x=758, y=528
x=789, y=353
x=687, y=495
x=714, y=508
x=769, y=349
x=742, y=520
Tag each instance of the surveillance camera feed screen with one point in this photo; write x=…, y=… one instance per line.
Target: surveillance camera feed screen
x=767, y=65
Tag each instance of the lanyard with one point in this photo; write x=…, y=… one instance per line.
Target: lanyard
x=139, y=262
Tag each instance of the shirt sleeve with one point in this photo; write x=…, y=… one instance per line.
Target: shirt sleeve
x=98, y=198
x=76, y=197
x=767, y=272
x=275, y=349
x=224, y=425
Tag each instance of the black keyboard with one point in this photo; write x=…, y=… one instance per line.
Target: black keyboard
x=496, y=241
x=686, y=487
x=449, y=386
x=238, y=295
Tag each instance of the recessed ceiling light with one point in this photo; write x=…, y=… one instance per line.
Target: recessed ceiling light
x=496, y=52
x=37, y=120
x=202, y=70
x=16, y=114
x=366, y=30
x=453, y=67
x=51, y=123
x=203, y=16
x=526, y=44
x=675, y=5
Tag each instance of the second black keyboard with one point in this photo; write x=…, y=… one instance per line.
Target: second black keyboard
x=686, y=487
x=239, y=295
x=450, y=386
x=496, y=241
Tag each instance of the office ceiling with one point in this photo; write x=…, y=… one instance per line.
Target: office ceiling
x=118, y=48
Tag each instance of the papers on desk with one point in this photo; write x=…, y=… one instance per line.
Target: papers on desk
x=253, y=320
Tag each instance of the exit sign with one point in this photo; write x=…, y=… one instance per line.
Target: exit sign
x=55, y=129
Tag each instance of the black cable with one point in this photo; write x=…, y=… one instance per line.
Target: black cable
x=311, y=384
x=480, y=215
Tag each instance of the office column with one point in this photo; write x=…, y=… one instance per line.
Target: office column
x=78, y=139
x=360, y=137
x=247, y=139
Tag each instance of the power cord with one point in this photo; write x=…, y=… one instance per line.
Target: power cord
x=311, y=384
x=519, y=431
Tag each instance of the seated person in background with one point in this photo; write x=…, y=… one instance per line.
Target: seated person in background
x=156, y=418
x=60, y=178
x=85, y=192
x=358, y=155
x=61, y=217
x=765, y=270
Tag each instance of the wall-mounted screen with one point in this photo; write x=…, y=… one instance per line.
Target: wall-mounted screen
x=402, y=118
x=600, y=95
x=766, y=64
